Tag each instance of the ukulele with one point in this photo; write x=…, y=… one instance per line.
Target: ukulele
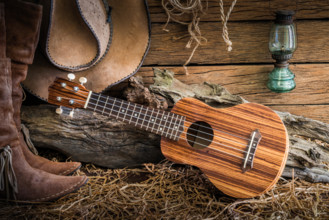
x=242, y=149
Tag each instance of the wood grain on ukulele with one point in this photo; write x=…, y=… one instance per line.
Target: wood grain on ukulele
x=241, y=149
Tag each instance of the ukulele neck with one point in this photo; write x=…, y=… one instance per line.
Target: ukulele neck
x=156, y=121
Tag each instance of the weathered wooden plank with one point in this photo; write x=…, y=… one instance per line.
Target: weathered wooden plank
x=249, y=81
x=247, y=10
x=315, y=112
x=250, y=44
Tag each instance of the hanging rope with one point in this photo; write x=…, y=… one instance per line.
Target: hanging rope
x=175, y=9
x=224, y=22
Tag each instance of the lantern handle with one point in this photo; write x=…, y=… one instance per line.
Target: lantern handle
x=297, y=9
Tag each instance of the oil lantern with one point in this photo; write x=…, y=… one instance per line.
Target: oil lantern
x=282, y=45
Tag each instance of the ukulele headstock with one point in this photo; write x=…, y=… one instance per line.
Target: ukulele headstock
x=68, y=93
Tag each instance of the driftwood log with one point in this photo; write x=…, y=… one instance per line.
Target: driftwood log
x=89, y=137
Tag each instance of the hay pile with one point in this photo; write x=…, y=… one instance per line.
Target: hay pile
x=171, y=191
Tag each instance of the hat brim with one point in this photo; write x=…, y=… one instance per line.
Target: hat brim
x=83, y=26
x=130, y=44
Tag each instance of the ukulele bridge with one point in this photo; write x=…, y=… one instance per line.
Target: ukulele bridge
x=251, y=149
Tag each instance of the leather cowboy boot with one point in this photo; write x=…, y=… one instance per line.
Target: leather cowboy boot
x=23, y=20
x=18, y=180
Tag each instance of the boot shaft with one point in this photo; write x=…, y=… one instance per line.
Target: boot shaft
x=8, y=131
x=23, y=21
x=19, y=72
x=2, y=32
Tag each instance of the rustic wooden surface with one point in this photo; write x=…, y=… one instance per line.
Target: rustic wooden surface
x=252, y=10
x=250, y=44
x=244, y=70
x=250, y=82
x=309, y=99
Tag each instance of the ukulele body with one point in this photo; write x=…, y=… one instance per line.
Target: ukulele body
x=221, y=159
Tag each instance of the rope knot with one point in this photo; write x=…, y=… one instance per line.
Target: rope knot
x=224, y=21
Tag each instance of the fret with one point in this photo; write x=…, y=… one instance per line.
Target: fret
x=133, y=113
x=154, y=120
x=119, y=111
x=140, y=110
x=149, y=121
x=126, y=111
x=112, y=106
x=144, y=117
x=181, y=124
x=175, y=127
x=166, y=126
x=105, y=104
x=170, y=126
x=99, y=95
x=136, y=115
x=161, y=127
x=100, y=104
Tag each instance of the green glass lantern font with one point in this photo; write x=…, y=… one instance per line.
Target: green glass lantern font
x=282, y=45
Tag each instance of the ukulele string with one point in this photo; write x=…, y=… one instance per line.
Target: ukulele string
x=218, y=143
x=110, y=98
x=200, y=144
x=166, y=133
x=141, y=108
x=169, y=128
x=237, y=136
x=233, y=135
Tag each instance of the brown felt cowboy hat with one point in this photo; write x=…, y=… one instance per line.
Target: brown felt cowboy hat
x=105, y=41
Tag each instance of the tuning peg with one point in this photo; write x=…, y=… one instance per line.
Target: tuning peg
x=67, y=111
x=59, y=110
x=83, y=80
x=71, y=113
x=71, y=76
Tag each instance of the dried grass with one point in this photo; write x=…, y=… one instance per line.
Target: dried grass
x=170, y=191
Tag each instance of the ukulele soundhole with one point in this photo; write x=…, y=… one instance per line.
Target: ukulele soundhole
x=200, y=135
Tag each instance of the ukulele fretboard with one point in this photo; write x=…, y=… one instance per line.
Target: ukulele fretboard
x=157, y=121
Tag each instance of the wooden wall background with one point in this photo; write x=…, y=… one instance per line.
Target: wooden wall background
x=244, y=70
